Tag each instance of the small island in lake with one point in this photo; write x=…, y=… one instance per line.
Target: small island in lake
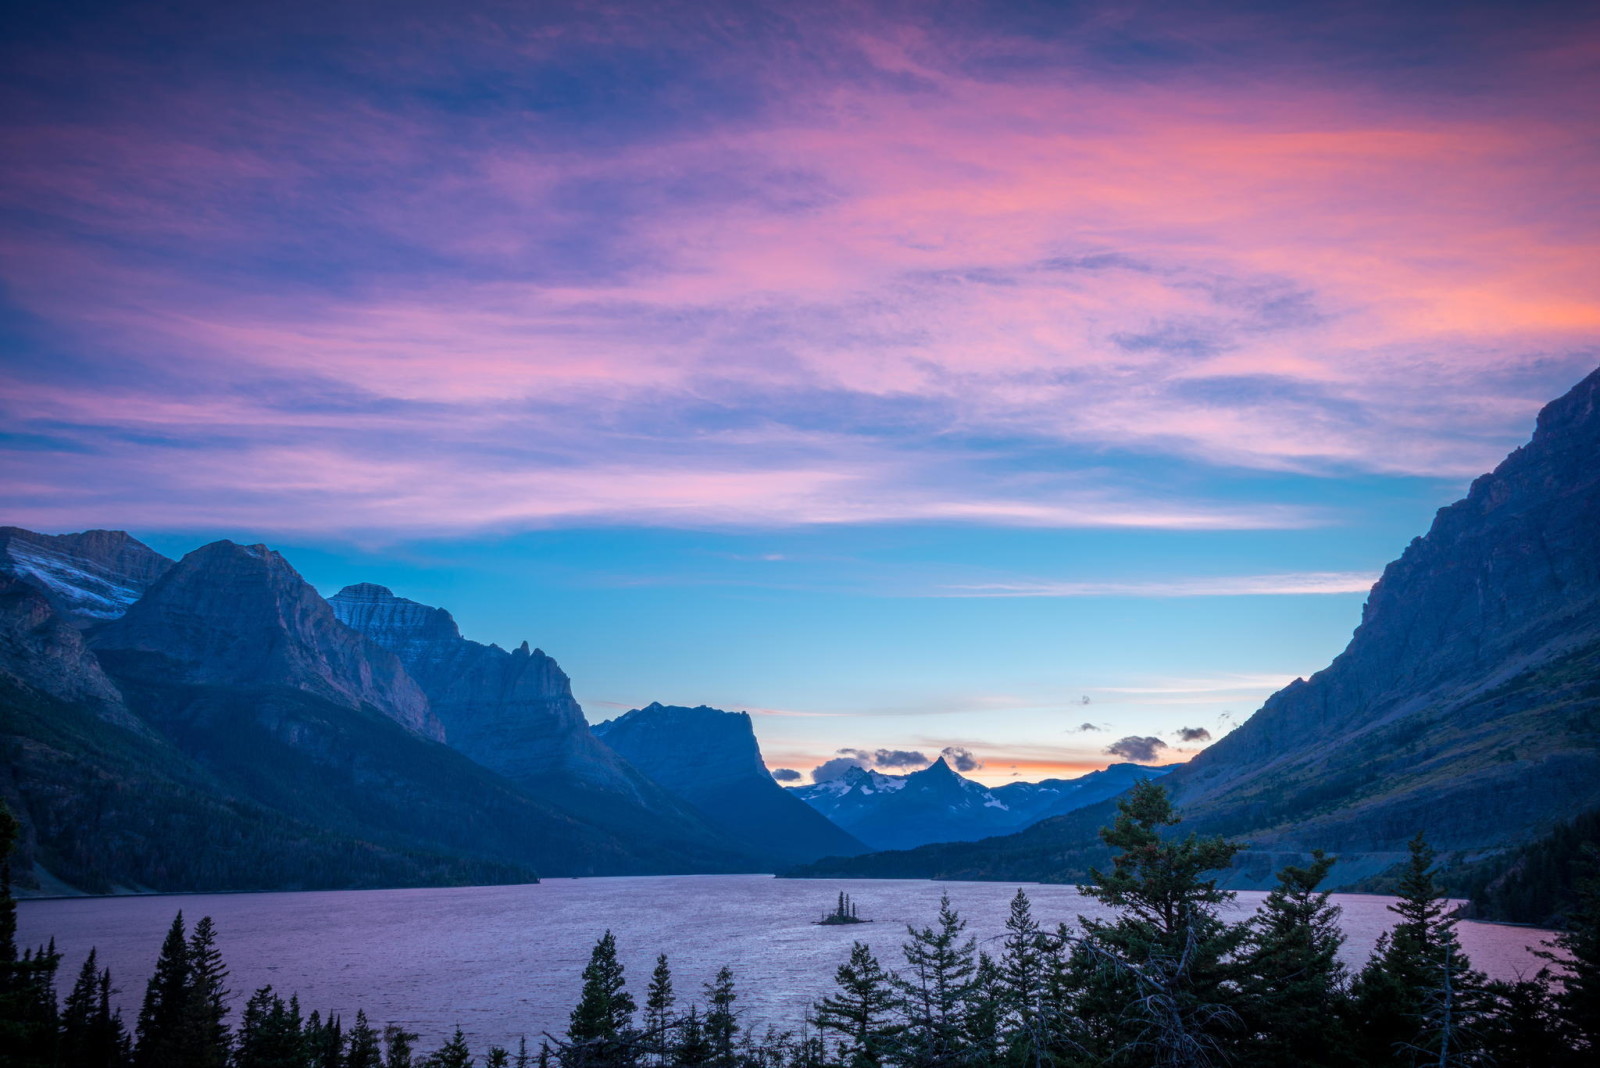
x=843, y=912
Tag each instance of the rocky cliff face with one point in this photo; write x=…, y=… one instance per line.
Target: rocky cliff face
x=240, y=615
x=514, y=712
x=87, y=577
x=42, y=652
x=1464, y=704
x=711, y=759
x=510, y=711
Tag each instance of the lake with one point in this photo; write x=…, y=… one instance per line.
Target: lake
x=503, y=961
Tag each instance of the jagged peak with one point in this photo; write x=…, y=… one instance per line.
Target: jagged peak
x=368, y=591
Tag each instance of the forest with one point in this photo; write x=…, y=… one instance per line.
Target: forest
x=1167, y=983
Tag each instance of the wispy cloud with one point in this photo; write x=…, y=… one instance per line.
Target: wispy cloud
x=1294, y=584
x=780, y=270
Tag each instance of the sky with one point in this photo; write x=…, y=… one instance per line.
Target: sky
x=1015, y=379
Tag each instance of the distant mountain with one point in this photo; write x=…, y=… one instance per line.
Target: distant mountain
x=710, y=758
x=87, y=577
x=514, y=712
x=1035, y=801
x=938, y=804
x=1465, y=706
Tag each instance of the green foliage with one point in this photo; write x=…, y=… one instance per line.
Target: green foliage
x=1537, y=883
x=722, y=1023
x=935, y=994
x=859, y=1012
x=1157, y=981
x=1417, y=996
x=453, y=1054
x=601, y=1026
x=1292, y=985
x=1577, y=1005
x=270, y=1033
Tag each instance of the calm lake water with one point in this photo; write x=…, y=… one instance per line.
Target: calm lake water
x=503, y=961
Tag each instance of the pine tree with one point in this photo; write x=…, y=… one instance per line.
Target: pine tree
x=601, y=1025
x=933, y=995
x=658, y=1001
x=160, y=1029
x=270, y=1033
x=205, y=1038
x=1417, y=995
x=453, y=1054
x=397, y=1046
x=324, y=1041
x=1578, y=1002
x=722, y=1023
x=365, y=1046
x=1155, y=981
x=1025, y=966
x=693, y=1049
x=497, y=1057
x=1292, y=981
x=28, y=1016
x=860, y=1011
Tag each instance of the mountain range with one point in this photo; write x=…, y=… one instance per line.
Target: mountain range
x=214, y=723
x=938, y=804
x=1466, y=705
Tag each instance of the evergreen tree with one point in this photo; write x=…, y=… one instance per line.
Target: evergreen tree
x=1155, y=980
x=91, y=1031
x=601, y=1025
x=160, y=1030
x=860, y=1011
x=934, y=994
x=324, y=1041
x=1417, y=997
x=658, y=1002
x=983, y=1015
x=1293, y=996
x=1023, y=985
x=693, y=1049
x=523, y=1060
x=365, y=1046
x=397, y=1046
x=1578, y=1002
x=722, y=1023
x=205, y=1039
x=28, y=1016
x=453, y=1054
x=270, y=1033
x=497, y=1057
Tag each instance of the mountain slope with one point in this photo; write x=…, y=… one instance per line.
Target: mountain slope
x=710, y=759
x=1466, y=706
x=87, y=577
x=514, y=712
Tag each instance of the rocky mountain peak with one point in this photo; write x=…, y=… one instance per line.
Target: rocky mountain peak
x=711, y=759
x=87, y=577
x=241, y=614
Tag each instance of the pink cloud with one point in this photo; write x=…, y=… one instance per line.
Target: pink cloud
x=1056, y=258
